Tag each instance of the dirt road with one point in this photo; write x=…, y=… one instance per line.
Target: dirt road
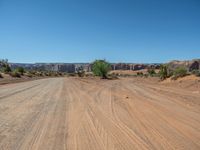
x=82, y=114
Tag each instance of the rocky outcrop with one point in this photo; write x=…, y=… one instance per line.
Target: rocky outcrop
x=59, y=67
x=135, y=67
x=74, y=67
x=121, y=66
x=139, y=67
x=188, y=64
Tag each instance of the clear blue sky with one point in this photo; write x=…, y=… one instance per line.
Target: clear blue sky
x=84, y=30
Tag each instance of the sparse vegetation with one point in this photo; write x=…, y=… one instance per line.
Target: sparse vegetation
x=113, y=76
x=140, y=73
x=196, y=73
x=28, y=74
x=71, y=74
x=179, y=72
x=5, y=68
x=32, y=72
x=39, y=74
x=151, y=71
x=101, y=68
x=20, y=70
x=15, y=74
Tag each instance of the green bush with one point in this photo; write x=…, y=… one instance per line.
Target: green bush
x=179, y=72
x=101, y=68
x=6, y=68
x=196, y=73
x=15, y=74
x=151, y=71
x=163, y=72
x=20, y=70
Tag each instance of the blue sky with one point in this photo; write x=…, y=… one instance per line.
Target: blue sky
x=84, y=30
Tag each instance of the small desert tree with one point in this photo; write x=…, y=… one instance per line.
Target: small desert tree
x=163, y=72
x=101, y=68
x=4, y=66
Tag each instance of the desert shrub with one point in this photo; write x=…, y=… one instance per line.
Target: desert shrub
x=20, y=70
x=46, y=73
x=32, y=72
x=81, y=72
x=146, y=75
x=60, y=74
x=29, y=75
x=140, y=73
x=1, y=76
x=196, y=73
x=151, y=71
x=71, y=74
x=50, y=73
x=179, y=72
x=39, y=74
x=101, y=68
x=15, y=74
x=5, y=66
x=55, y=74
x=163, y=72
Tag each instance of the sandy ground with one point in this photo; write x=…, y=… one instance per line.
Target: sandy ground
x=83, y=114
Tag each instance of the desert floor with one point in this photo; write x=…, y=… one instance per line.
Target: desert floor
x=94, y=114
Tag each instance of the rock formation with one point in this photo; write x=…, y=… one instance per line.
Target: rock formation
x=188, y=64
x=73, y=67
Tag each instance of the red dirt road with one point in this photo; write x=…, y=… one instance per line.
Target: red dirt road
x=84, y=114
